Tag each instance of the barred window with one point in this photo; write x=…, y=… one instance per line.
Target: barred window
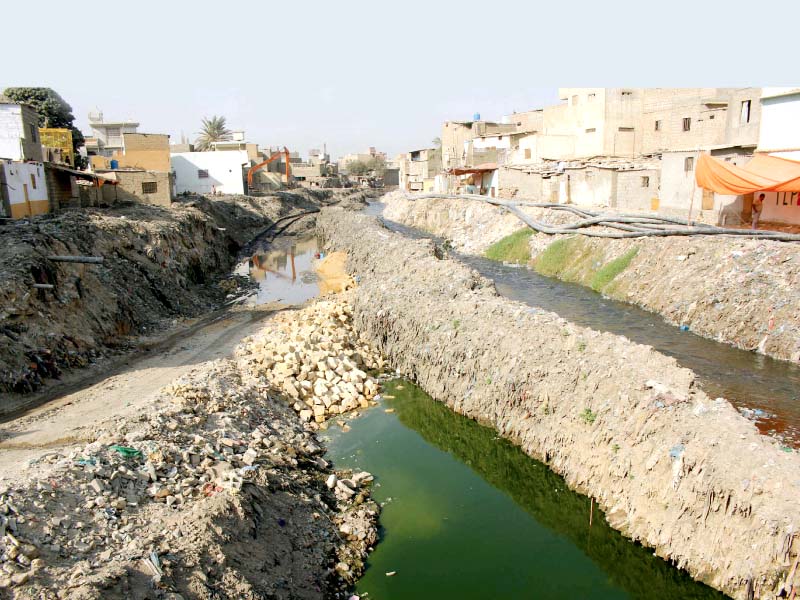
x=202, y=173
x=149, y=187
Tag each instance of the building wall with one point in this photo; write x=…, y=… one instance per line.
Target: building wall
x=130, y=187
x=514, y=183
x=631, y=191
x=148, y=151
x=715, y=113
x=62, y=188
x=781, y=207
x=60, y=138
x=780, y=123
x=589, y=186
x=225, y=173
x=19, y=133
x=23, y=189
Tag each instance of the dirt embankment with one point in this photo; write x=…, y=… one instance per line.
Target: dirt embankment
x=672, y=468
x=160, y=264
x=214, y=490
x=738, y=291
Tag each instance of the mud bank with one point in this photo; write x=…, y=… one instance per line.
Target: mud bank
x=673, y=469
x=160, y=264
x=740, y=292
x=215, y=490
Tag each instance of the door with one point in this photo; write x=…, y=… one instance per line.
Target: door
x=27, y=199
x=708, y=200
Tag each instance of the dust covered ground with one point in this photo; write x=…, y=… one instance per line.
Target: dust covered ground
x=210, y=487
x=161, y=266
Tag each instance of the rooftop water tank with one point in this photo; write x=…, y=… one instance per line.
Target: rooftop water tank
x=114, y=163
x=476, y=117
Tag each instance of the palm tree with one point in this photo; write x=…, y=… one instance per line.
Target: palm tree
x=213, y=130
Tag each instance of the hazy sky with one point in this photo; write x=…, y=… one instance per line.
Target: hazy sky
x=387, y=74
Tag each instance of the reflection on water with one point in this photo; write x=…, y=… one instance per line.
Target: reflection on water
x=283, y=270
x=470, y=516
x=765, y=389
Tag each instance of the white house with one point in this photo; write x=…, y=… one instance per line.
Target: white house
x=23, y=189
x=780, y=136
x=210, y=172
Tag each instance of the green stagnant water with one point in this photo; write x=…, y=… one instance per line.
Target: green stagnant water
x=467, y=515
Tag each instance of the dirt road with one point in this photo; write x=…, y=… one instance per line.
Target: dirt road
x=131, y=388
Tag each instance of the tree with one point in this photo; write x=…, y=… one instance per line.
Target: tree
x=357, y=167
x=377, y=166
x=437, y=142
x=52, y=109
x=213, y=130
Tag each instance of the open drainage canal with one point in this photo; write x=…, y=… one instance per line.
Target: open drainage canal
x=468, y=515
x=283, y=270
x=765, y=390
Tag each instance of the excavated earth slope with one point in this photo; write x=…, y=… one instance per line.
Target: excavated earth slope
x=672, y=468
x=159, y=264
x=737, y=291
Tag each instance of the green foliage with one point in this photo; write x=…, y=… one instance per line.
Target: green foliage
x=588, y=416
x=555, y=257
x=214, y=129
x=375, y=166
x=456, y=323
x=610, y=270
x=53, y=110
x=615, y=448
x=581, y=346
x=514, y=248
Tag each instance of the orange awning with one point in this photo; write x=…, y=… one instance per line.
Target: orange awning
x=763, y=173
x=482, y=168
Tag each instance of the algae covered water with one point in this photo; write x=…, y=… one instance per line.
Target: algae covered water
x=467, y=515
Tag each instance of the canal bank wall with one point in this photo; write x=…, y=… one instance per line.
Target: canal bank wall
x=159, y=265
x=671, y=468
x=736, y=291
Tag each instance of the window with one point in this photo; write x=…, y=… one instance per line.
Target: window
x=658, y=126
x=591, y=130
x=149, y=187
x=527, y=152
x=575, y=100
x=33, y=131
x=113, y=132
x=745, y=114
x=591, y=97
x=688, y=164
x=687, y=124
x=33, y=181
x=625, y=129
x=711, y=117
x=202, y=173
x=627, y=94
x=645, y=182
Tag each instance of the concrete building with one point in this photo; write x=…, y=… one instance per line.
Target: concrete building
x=210, y=172
x=417, y=172
x=23, y=189
x=457, y=138
x=139, y=185
x=107, y=136
x=19, y=132
x=686, y=119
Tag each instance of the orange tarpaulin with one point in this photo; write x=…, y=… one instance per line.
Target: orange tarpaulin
x=764, y=173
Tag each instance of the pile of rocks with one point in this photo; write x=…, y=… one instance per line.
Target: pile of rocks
x=315, y=357
x=224, y=456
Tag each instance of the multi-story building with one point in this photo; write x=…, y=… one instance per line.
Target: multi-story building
x=19, y=132
x=419, y=168
x=107, y=136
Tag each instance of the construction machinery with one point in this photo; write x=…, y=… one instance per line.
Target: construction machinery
x=275, y=155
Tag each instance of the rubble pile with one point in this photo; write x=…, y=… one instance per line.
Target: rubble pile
x=316, y=358
x=222, y=488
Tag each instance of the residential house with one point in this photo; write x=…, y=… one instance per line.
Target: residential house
x=23, y=189
x=457, y=138
x=780, y=136
x=419, y=169
x=210, y=172
x=107, y=136
x=142, y=171
x=19, y=132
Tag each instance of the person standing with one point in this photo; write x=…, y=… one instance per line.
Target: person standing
x=758, y=205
